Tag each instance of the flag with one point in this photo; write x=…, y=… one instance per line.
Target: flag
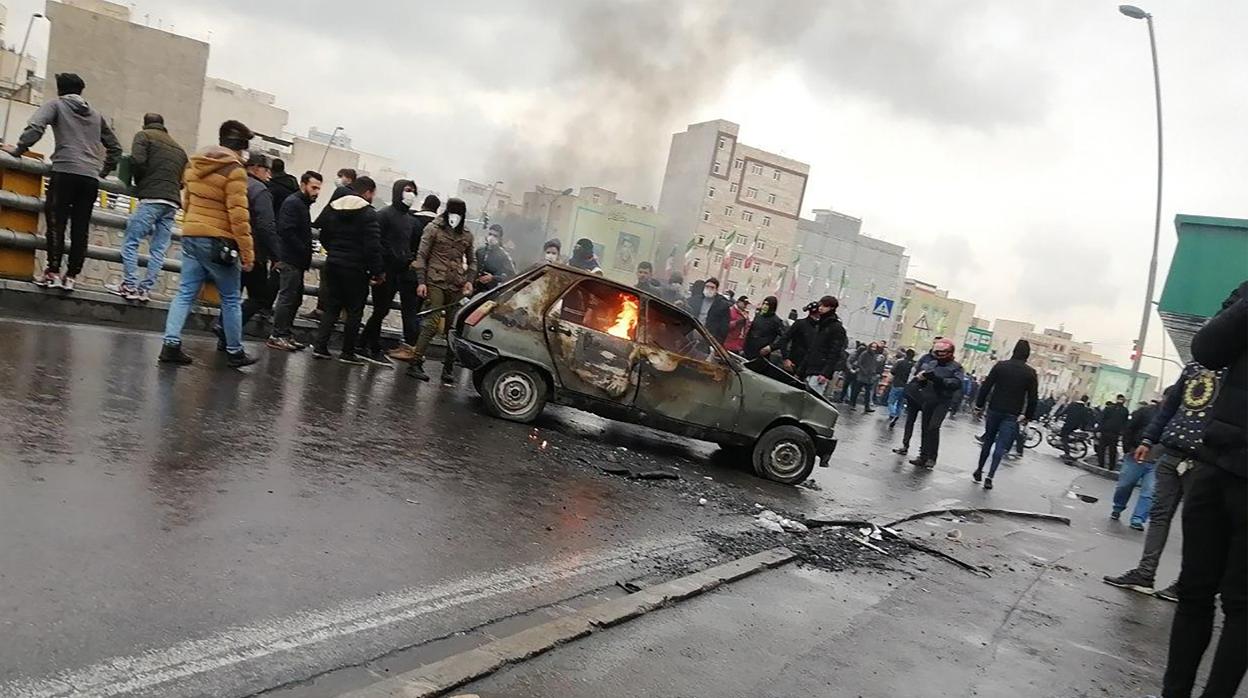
x=728, y=251
x=841, y=291
x=749, y=258
x=670, y=265
x=796, y=270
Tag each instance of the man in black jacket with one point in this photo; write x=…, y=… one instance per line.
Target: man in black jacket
x=1113, y=420
x=351, y=236
x=397, y=226
x=826, y=354
x=896, y=394
x=282, y=184
x=1012, y=386
x=294, y=231
x=1134, y=472
x=765, y=330
x=494, y=265
x=1078, y=416
x=1215, y=518
x=711, y=309
x=261, y=289
x=796, y=340
x=936, y=377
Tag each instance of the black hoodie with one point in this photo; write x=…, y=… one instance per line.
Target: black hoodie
x=1012, y=385
x=397, y=227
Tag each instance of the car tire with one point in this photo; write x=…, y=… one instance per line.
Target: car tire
x=514, y=391
x=478, y=378
x=785, y=454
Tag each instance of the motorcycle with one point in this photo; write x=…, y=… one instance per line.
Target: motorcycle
x=1078, y=443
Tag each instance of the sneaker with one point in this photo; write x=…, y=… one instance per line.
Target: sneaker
x=1170, y=593
x=313, y=314
x=901, y=450
x=320, y=353
x=279, y=343
x=67, y=283
x=173, y=354
x=920, y=462
x=977, y=476
x=892, y=422
x=57, y=281
x=351, y=359
x=295, y=344
x=979, y=438
x=988, y=483
x=47, y=279
x=417, y=370
x=868, y=410
x=377, y=358
x=403, y=353
x=239, y=359
x=143, y=296
x=448, y=378
x=1115, y=515
x=1133, y=580
x=122, y=289
x=1137, y=525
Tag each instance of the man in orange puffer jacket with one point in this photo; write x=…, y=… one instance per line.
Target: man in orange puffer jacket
x=216, y=242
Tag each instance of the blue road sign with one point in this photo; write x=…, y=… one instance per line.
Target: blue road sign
x=883, y=307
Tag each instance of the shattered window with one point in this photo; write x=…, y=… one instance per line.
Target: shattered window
x=603, y=308
x=676, y=332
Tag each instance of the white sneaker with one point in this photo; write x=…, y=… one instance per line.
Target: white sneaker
x=67, y=283
x=56, y=281
x=45, y=278
x=142, y=296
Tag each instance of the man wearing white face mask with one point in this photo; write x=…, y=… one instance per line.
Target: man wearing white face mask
x=397, y=226
x=494, y=265
x=445, y=269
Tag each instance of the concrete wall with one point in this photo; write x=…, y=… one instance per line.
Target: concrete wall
x=130, y=69
x=224, y=100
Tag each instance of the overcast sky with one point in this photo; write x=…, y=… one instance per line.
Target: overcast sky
x=1009, y=146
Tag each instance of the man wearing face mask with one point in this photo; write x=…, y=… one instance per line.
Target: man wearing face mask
x=294, y=230
x=494, y=265
x=551, y=252
x=765, y=330
x=711, y=309
x=583, y=257
x=939, y=377
x=352, y=239
x=826, y=353
x=397, y=225
x=446, y=248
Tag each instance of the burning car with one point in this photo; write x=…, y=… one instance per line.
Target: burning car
x=557, y=334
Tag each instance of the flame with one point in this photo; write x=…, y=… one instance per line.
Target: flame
x=626, y=322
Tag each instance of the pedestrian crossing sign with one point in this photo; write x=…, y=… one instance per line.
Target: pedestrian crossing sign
x=921, y=323
x=883, y=307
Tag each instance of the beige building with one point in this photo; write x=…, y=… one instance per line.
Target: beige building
x=623, y=234
x=487, y=199
x=926, y=312
x=223, y=100
x=1066, y=368
x=724, y=203
x=129, y=69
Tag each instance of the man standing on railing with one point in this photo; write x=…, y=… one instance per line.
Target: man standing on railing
x=158, y=165
x=216, y=242
x=77, y=166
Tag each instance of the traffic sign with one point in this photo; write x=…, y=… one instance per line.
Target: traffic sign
x=921, y=323
x=883, y=307
x=978, y=339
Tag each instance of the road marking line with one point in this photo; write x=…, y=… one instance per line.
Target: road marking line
x=146, y=670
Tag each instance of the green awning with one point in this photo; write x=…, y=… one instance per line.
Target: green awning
x=1211, y=259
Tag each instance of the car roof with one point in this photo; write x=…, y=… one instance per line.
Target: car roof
x=622, y=286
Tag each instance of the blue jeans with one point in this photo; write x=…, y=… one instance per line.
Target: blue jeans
x=198, y=267
x=1131, y=474
x=148, y=220
x=1000, y=431
x=896, y=401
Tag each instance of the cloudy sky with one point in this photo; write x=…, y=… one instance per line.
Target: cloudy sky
x=1009, y=146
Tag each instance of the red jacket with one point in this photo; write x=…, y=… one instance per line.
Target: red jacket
x=738, y=327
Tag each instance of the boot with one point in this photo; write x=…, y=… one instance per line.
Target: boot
x=173, y=354
x=448, y=373
x=239, y=359
x=417, y=370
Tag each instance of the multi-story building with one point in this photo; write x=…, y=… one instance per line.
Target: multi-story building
x=129, y=69
x=224, y=100
x=926, y=312
x=837, y=259
x=730, y=210
x=1066, y=368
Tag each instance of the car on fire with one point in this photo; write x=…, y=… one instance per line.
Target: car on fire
x=558, y=334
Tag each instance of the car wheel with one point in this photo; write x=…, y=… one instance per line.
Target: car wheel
x=785, y=454
x=514, y=391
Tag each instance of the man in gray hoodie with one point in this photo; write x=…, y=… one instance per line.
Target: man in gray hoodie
x=77, y=166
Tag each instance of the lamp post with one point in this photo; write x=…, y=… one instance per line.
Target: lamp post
x=8, y=107
x=1136, y=13
x=485, y=209
x=327, y=146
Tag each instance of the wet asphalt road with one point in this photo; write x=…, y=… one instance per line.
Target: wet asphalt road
x=204, y=531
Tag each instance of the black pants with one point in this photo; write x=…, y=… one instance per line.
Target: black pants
x=261, y=285
x=1107, y=450
x=401, y=283
x=932, y=417
x=912, y=415
x=70, y=200
x=1215, y=563
x=858, y=387
x=343, y=289
x=289, y=298
x=849, y=382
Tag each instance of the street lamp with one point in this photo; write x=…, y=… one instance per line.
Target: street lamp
x=1137, y=13
x=485, y=209
x=327, y=145
x=8, y=107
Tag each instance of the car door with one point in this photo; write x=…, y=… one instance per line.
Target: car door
x=686, y=382
x=591, y=331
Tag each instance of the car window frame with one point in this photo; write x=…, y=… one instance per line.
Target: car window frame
x=559, y=304
x=721, y=354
